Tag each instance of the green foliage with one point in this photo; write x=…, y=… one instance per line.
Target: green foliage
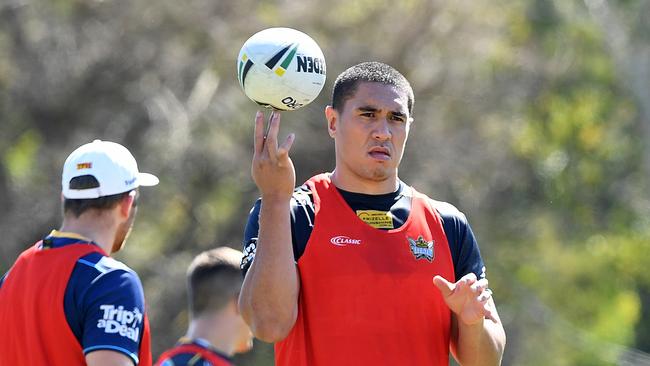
x=578, y=139
x=523, y=120
x=20, y=158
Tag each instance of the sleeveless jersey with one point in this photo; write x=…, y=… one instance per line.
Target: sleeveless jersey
x=366, y=295
x=197, y=352
x=35, y=330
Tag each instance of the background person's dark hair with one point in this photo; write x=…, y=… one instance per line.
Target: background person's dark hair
x=213, y=279
x=346, y=83
x=77, y=207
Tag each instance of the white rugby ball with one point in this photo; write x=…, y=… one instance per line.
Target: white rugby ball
x=281, y=68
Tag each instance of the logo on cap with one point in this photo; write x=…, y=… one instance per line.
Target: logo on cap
x=81, y=166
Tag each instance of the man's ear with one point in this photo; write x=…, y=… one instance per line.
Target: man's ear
x=234, y=304
x=126, y=205
x=332, y=116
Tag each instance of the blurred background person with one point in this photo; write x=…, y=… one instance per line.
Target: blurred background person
x=216, y=329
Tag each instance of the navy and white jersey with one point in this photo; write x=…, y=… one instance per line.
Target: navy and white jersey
x=103, y=301
x=193, y=352
x=462, y=243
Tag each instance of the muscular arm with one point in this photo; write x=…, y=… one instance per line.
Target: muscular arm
x=477, y=335
x=478, y=344
x=107, y=358
x=269, y=297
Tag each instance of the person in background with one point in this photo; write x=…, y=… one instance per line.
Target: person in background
x=216, y=331
x=65, y=301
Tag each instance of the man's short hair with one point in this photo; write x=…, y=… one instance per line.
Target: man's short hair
x=376, y=72
x=213, y=279
x=77, y=207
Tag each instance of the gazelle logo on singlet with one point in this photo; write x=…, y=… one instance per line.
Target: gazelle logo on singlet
x=123, y=322
x=342, y=241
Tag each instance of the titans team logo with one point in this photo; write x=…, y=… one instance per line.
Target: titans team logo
x=421, y=248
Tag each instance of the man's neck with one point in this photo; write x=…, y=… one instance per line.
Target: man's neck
x=366, y=186
x=93, y=228
x=211, y=329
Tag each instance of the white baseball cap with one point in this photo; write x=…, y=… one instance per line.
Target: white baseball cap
x=110, y=163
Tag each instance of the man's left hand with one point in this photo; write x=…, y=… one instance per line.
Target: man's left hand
x=468, y=298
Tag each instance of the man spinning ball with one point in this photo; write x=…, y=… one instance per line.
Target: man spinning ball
x=355, y=267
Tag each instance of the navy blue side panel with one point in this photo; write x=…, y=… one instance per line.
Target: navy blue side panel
x=462, y=243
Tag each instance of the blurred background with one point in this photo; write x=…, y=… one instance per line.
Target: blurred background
x=531, y=116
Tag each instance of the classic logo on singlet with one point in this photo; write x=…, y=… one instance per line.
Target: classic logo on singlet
x=120, y=321
x=342, y=241
x=421, y=248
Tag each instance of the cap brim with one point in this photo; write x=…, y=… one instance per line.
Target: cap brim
x=146, y=179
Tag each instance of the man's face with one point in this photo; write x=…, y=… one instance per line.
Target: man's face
x=370, y=132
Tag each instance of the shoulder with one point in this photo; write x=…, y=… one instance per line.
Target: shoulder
x=97, y=266
x=185, y=359
x=448, y=211
x=104, y=305
x=455, y=225
x=302, y=197
x=181, y=359
x=101, y=264
x=186, y=355
x=97, y=275
x=302, y=220
x=460, y=238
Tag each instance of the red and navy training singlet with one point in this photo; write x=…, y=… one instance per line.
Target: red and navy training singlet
x=193, y=352
x=57, y=303
x=464, y=249
x=366, y=295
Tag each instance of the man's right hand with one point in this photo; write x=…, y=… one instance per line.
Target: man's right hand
x=268, y=300
x=272, y=168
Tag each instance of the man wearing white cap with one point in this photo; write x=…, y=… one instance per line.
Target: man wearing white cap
x=65, y=301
